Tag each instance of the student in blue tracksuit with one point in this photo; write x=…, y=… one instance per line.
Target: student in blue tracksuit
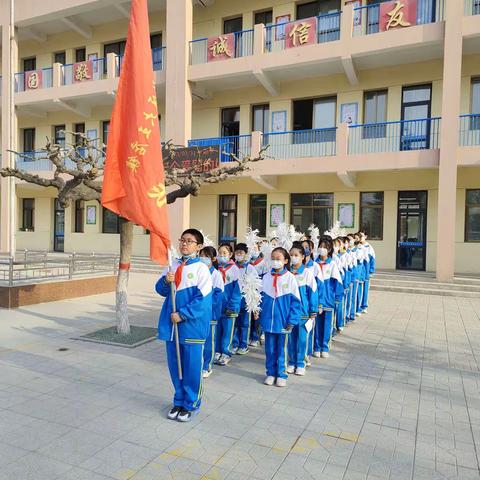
x=307, y=285
x=232, y=298
x=208, y=256
x=338, y=314
x=354, y=278
x=361, y=270
x=193, y=296
x=281, y=310
x=261, y=266
x=242, y=323
x=332, y=292
x=370, y=252
x=311, y=265
x=347, y=282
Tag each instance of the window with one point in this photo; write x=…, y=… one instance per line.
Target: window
x=80, y=54
x=28, y=140
x=308, y=208
x=371, y=214
x=156, y=40
x=265, y=17
x=105, y=129
x=260, y=118
x=118, y=48
x=258, y=214
x=233, y=25
x=318, y=114
x=110, y=221
x=472, y=216
x=375, y=111
x=227, y=225
x=79, y=216
x=312, y=9
x=475, y=104
x=59, y=135
x=60, y=57
x=29, y=64
x=28, y=214
x=79, y=128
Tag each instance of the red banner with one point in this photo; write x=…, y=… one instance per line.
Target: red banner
x=397, y=14
x=221, y=47
x=82, y=71
x=33, y=80
x=300, y=33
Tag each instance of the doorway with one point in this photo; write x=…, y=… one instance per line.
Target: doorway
x=412, y=230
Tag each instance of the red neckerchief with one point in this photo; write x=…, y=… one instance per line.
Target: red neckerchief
x=275, y=279
x=224, y=271
x=256, y=262
x=178, y=273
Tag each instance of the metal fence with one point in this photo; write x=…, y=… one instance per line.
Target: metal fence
x=32, y=267
x=99, y=71
x=45, y=80
x=420, y=134
x=469, y=130
x=238, y=145
x=366, y=19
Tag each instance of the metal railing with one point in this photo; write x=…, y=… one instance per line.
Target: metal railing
x=319, y=142
x=99, y=71
x=36, y=267
x=366, y=19
x=469, y=130
x=45, y=80
x=238, y=145
x=243, y=47
x=35, y=161
x=328, y=30
x=420, y=134
x=472, y=7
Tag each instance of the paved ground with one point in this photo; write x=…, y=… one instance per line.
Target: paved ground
x=398, y=399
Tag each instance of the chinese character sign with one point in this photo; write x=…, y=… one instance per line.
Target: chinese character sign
x=221, y=47
x=398, y=14
x=82, y=71
x=303, y=32
x=33, y=80
x=201, y=159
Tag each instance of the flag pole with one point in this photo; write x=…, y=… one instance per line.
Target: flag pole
x=175, y=325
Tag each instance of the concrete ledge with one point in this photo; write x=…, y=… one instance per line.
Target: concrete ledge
x=21, y=295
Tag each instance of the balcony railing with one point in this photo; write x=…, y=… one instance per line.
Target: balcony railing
x=98, y=72
x=158, y=59
x=421, y=134
x=328, y=30
x=469, y=130
x=366, y=19
x=238, y=145
x=319, y=142
x=472, y=7
x=243, y=47
x=37, y=161
x=34, y=80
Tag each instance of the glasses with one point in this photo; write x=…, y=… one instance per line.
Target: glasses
x=182, y=241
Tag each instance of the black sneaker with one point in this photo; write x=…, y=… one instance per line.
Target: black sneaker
x=173, y=413
x=185, y=415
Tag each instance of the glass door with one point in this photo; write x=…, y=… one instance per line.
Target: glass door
x=412, y=230
x=58, y=228
x=416, y=109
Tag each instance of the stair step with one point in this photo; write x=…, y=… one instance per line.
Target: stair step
x=423, y=284
x=426, y=291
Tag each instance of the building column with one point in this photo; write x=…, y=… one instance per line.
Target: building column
x=9, y=137
x=450, y=123
x=178, y=96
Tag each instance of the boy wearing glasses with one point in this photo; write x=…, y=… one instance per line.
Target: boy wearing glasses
x=193, y=295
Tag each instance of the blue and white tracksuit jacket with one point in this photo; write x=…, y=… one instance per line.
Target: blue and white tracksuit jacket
x=194, y=305
x=281, y=306
x=261, y=265
x=217, y=298
x=298, y=339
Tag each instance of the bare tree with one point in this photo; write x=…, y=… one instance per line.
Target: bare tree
x=77, y=175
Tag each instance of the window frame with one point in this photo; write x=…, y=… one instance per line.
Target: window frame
x=379, y=131
x=78, y=51
x=31, y=226
x=56, y=130
x=264, y=107
x=61, y=52
x=467, y=207
x=380, y=207
x=104, y=210
x=230, y=210
x=262, y=12
x=474, y=121
x=25, y=130
x=79, y=217
x=29, y=59
x=312, y=207
x=262, y=232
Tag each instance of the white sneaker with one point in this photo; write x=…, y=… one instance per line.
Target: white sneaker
x=357, y=314
x=269, y=380
x=325, y=354
x=365, y=311
x=316, y=354
x=300, y=371
x=308, y=363
x=281, y=382
x=224, y=360
x=340, y=329
x=216, y=358
x=254, y=343
x=290, y=369
x=242, y=351
x=262, y=338
x=206, y=373
x=234, y=350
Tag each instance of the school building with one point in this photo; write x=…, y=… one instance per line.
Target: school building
x=370, y=111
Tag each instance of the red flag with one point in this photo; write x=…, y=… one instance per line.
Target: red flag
x=134, y=179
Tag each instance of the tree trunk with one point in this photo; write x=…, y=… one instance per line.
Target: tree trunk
x=121, y=298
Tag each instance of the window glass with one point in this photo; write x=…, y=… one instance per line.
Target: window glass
x=28, y=139
x=265, y=17
x=80, y=54
x=420, y=93
x=371, y=214
x=475, y=96
x=59, y=135
x=29, y=64
x=28, y=214
x=261, y=115
x=110, y=223
x=233, y=25
x=156, y=40
x=258, y=213
x=472, y=216
x=308, y=208
x=60, y=57
x=227, y=218
x=79, y=216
